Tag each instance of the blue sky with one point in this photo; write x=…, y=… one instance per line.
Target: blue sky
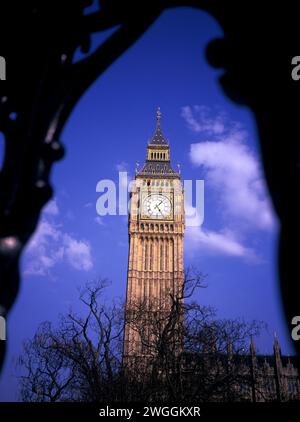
x=212, y=138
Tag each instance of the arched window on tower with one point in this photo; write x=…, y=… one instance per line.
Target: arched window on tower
x=146, y=257
x=161, y=262
x=167, y=256
x=171, y=254
x=151, y=256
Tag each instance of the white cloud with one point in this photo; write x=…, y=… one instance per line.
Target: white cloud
x=41, y=256
x=234, y=172
x=77, y=253
x=99, y=220
x=199, y=120
x=51, y=245
x=123, y=166
x=51, y=208
x=222, y=242
x=45, y=233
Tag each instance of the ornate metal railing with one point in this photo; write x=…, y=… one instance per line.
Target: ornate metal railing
x=39, y=40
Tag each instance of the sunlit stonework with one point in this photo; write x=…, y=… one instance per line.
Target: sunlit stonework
x=156, y=230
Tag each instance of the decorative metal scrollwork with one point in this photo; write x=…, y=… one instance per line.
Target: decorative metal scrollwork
x=39, y=41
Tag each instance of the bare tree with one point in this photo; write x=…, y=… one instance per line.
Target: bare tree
x=186, y=353
x=80, y=359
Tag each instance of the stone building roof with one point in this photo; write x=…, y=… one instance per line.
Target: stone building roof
x=158, y=168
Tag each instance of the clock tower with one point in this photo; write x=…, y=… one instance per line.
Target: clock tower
x=156, y=230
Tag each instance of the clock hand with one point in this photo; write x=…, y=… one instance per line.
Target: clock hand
x=156, y=206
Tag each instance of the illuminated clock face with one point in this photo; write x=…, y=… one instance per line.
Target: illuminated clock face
x=157, y=206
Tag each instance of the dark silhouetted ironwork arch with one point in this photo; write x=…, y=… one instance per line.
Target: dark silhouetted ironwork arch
x=39, y=40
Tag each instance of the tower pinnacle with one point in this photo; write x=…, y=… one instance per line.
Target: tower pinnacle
x=158, y=116
x=158, y=138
